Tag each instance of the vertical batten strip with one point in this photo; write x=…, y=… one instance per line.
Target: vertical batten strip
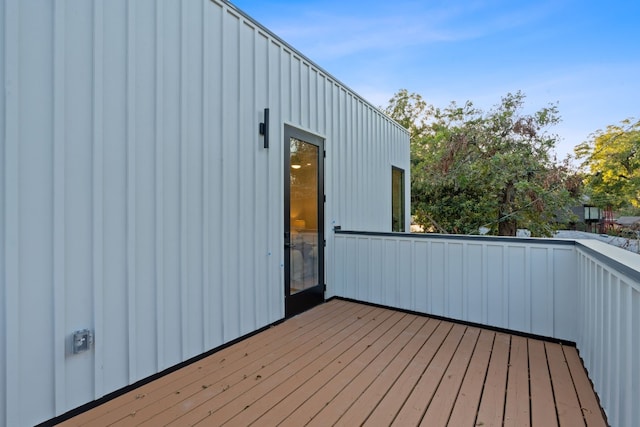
x=206, y=330
x=550, y=325
x=268, y=209
x=256, y=184
x=98, y=196
x=159, y=186
x=12, y=213
x=223, y=276
x=627, y=355
x=504, y=284
x=59, y=230
x=184, y=318
x=131, y=190
x=235, y=264
x=218, y=252
x=527, y=289
x=485, y=284
x=464, y=289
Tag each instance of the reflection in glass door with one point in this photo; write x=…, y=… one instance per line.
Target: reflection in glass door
x=304, y=237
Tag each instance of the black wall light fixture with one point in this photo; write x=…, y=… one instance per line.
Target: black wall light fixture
x=264, y=128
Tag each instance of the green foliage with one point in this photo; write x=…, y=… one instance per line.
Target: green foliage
x=611, y=161
x=472, y=169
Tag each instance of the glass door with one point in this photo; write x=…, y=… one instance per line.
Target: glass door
x=304, y=221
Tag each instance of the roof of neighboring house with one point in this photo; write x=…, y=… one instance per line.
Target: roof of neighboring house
x=628, y=221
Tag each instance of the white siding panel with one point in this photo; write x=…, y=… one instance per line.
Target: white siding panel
x=420, y=262
x=376, y=257
x=389, y=272
x=351, y=277
x=362, y=258
x=142, y=187
x=230, y=195
x=608, y=337
x=438, y=279
x=169, y=187
x=404, y=292
x=540, y=260
x=261, y=185
x=564, y=292
x=34, y=203
x=474, y=283
x=508, y=284
x=97, y=194
x=77, y=164
x=115, y=355
x=137, y=201
x=517, y=295
x=3, y=214
x=496, y=286
x=59, y=198
x=246, y=143
x=454, y=282
x=195, y=182
x=10, y=217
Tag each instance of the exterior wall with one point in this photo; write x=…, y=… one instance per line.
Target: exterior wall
x=136, y=199
x=525, y=285
x=609, y=332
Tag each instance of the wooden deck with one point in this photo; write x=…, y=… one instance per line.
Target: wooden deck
x=349, y=364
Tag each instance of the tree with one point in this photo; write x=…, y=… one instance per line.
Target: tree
x=611, y=161
x=472, y=169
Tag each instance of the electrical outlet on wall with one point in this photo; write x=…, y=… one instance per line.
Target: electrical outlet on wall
x=81, y=341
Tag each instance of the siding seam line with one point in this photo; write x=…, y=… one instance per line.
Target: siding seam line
x=131, y=192
x=98, y=197
x=206, y=330
x=184, y=321
x=12, y=210
x=59, y=232
x=159, y=186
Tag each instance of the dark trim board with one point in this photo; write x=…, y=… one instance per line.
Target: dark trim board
x=630, y=272
x=462, y=322
x=114, y=394
x=531, y=240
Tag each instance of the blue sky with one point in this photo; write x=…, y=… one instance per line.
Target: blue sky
x=583, y=55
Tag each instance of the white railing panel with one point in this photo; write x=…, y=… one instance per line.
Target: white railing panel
x=585, y=292
x=519, y=284
x=609, y=329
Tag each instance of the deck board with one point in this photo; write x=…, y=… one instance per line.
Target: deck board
x=516, y=410
x=491, y=410
x=471, y=389
x=542, y=413
x=361, y=409
x=441, y=405
x=418, y=401
x=588, y=401
x=566, y=399
x=348, y=364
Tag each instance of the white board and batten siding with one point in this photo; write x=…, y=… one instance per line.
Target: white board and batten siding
x=136, y=199
x=508, y=283
x=609, y=327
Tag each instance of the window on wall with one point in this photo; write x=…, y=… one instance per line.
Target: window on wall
x=397, y=199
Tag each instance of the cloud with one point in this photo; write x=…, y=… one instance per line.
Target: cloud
x=326, y=33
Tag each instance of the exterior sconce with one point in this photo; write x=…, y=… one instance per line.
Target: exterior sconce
x=264, y=128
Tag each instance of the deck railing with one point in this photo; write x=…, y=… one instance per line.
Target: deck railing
x=586, y=292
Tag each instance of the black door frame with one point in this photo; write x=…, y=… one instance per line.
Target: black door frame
x=313, y=296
